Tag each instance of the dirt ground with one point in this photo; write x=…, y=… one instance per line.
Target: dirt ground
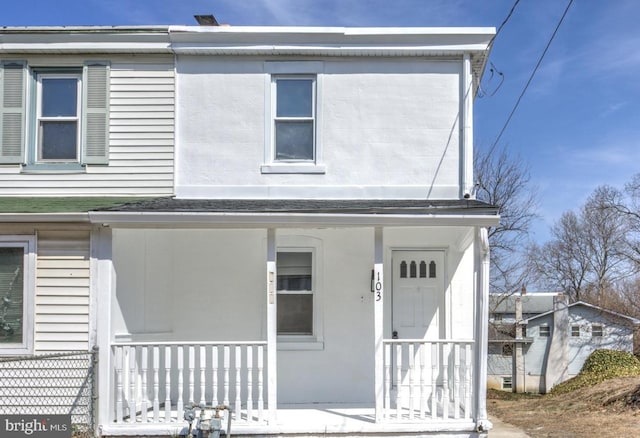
x=610, y=409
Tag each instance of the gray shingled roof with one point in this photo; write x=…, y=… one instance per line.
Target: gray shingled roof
x=345, y=206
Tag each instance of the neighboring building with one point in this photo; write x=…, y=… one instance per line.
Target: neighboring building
x=555, y=340
x=278, y=219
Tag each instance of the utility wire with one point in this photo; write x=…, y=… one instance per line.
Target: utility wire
x=494, y=69
x=513, y=8
x=533, y=73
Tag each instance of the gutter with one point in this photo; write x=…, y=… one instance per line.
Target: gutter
x=298, y=220
x=44, y=217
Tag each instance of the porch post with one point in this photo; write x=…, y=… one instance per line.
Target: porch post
x=102, y=288
x=272, y=338
x=378, y=318
x=482, y=328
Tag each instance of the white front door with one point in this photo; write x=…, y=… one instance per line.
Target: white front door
x=418, y=295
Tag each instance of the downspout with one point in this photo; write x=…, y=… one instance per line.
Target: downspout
x=466, y=130
x=483, y=425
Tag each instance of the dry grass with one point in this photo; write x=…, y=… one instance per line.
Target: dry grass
x=608, y=409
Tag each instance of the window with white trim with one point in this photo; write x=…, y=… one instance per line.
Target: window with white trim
x=292, y=137
x=58, y=97
x=544, y=331
x=575, y=331
x=54, y=118
x=295, y=292
x=507, y=383
x=294, y=124
x=17, y=264
x=597, y=331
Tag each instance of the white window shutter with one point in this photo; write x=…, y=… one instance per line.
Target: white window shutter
x=95, y=119
x=12, y=111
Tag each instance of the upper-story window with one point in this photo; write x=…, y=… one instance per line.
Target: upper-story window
x=58, y=117
x=294, y=121
x=54, y=118
x=292, y=139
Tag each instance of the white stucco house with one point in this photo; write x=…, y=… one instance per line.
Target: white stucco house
x=553, y=342
x=281, y=220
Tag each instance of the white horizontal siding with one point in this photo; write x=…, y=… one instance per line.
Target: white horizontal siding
x=141, y=142
x=62, y=291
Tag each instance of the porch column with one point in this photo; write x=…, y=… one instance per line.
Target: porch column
x=272, y=334
x=482, y=328
x=378, y=319
x=102, y=289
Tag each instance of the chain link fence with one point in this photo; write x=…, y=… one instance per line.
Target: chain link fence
x=52, y=384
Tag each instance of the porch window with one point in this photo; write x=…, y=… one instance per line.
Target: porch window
x=16, y=295
x=295, y=292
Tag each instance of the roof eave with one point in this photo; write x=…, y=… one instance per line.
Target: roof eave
x=297, y=220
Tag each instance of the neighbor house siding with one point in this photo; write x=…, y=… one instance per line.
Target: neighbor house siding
x=141, y=138
x=62, y=291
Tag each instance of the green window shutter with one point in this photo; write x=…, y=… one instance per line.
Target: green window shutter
x=95, y=118
x=12, y=111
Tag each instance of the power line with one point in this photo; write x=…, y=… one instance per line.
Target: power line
x=533, y=73
x=481, y=91
x=513, y=8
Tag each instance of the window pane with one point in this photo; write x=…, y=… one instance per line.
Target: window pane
x=59, y=97
x=59, y=140
x=11, y=294
x=295, y=314
x=294, y=140
x=294, y=271
x=294, y=98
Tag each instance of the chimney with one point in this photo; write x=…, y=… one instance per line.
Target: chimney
x=206, y=20
x=523, y=291
x=558, y=346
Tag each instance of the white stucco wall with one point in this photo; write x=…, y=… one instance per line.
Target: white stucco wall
x=209, y=285
x=368, y=112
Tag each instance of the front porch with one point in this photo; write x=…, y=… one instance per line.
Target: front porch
x=429, y=391
x=385, y=333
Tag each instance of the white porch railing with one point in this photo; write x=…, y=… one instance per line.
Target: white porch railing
x=154, y=381
x=427, y=379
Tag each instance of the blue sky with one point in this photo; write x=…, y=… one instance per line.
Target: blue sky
x=578, y=125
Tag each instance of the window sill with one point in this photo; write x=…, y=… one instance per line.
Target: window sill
x=293, y=168
x=61, y=168
x=290, y=344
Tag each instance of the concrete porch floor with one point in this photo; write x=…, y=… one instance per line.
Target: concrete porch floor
x=309, y=420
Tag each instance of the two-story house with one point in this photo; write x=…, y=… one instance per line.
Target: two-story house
x=303, y=245
x=538, y=340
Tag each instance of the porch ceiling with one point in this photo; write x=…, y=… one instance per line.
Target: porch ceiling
x=295, y=212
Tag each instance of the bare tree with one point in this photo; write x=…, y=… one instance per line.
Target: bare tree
x=587, y=255
x=503, y=180
x=563, y=261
